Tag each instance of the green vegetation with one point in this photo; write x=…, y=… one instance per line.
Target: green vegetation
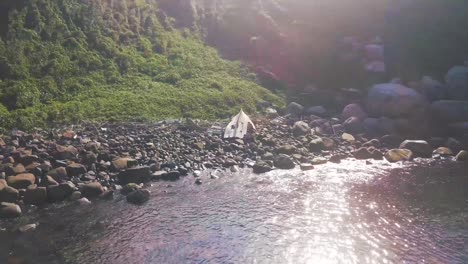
x=69, y=60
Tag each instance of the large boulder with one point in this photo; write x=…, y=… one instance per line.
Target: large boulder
x=295, y=109
x=135, y=175
x=21, y=181
x=35, y=196
x=420, y=148
x=284, y=162
x=450, y=111
x=9, y=210
x=457, y=82
x=394, y=100
x=353, y=110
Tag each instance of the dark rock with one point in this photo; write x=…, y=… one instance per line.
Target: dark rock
x=75, y=169
x=372, y=143
x=9, y=210
x=60, y=192
x=420, y=148
x=48, y=181
x=134, y=175
x=353, y=125
x=171, y=176
x=316, y=110
x=287, y=149
x=21, y=181
x=128, y=188
x=462, y=156
x=353, y=110
x=295, y=109
x=362, y=154
x=139, y=196
x=9, y=194
x=36, y=196
x=316, y=145
x=432, y=89
x=301, y=128
x=58, y=174
x=261, y=167
x=229, y=162
x=391, y=141
x=91, y=190
x=198, y=181
x=284, y=162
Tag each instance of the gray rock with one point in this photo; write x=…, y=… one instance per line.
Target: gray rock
x=75, y=169
x=316, y=145
x=420, y=148
x=135, y=175
x=362, y=154
x=138, y=196
x=92, y=189
x=432, y=89
x=457, y=82
x=394, y=100
x=9, y=210
x=284, y=162
x=353, y=110
x=171, y=176
x=301, y=128
x=316, y=110
x=295, y=109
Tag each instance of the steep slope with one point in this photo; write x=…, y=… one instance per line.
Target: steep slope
x=70, y=60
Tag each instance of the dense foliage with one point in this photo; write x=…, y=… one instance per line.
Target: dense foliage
x=69, y=60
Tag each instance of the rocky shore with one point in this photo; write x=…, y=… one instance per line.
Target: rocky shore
x=90, y=161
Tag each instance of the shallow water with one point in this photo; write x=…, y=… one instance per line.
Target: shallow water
x=351, y=212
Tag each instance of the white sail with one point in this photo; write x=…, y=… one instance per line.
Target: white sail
x=238, y=126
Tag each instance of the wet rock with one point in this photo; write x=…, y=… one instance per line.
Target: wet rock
x=92, y=190
x=171, y=176
x=295, y=109
x=9, y=194
x=454, y=144
x=9, y=210
x=353, y=110
x=21, y=181
x=443, y=151
x=198, y=181
x=60, y=192
x=75, y=169
x=391, y=141
x=27, y=228
x=287, y=149
x=284, y=162
x=234, y=169
x=372, y=143
x=36, y=196
x=395, y=155
x=261, y=167
x=229, y=162
x=457, y=82
x=448, y=111
x=76, y=195
x=107, y=195
x=394, y=100
x=123, y=163
x=420, y=148
x=135, y=175
x=316, y=145
x=139, y=196
x=48, y=181
x=462, y=156
x=128, y=188
x=301, y=128
x=306, y=166
x=83, y=201
x=362, y=154
x=354, y=125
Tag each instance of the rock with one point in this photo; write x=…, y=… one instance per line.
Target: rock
x=48, y=181
x=462, y=156
x=271, y=113
x=234, y=169
x=75, y=169
x=391, y=141
x=284, y=162
x=460, y=128
x=9, y=194
x=394, y=100
x=138, y=196
x=319, y=161
x=229, y=162
x=453, y=144
x=354, y=125
x=123, y=163
x=171, y=176
x=9, y=210
x=306, y=166
x=301, y=128
x=128, y=188
x=261, y=167
x=295, y=109
x=353, y=110
x=450, y=111
x=348, y=137
x=58, y=174
x=316, y=145
x=66, y=153
x=420, y=148
x=198, y=181
x=316, y=110
x=287, y=149
x=92, y=189
x=432, y=89
x=27, y=228
x=362, y=153
x=457, y=82
x=36, y=196
x=60, y=192
x=84, y=201
x=395, y=155
x=328, y=143
x=21, y=181
x=135, y=175
x=76, y=195
x=107, y=195
x=443, y=151
x=372, y=143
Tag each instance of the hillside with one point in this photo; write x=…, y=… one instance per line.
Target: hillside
x=70, y=60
